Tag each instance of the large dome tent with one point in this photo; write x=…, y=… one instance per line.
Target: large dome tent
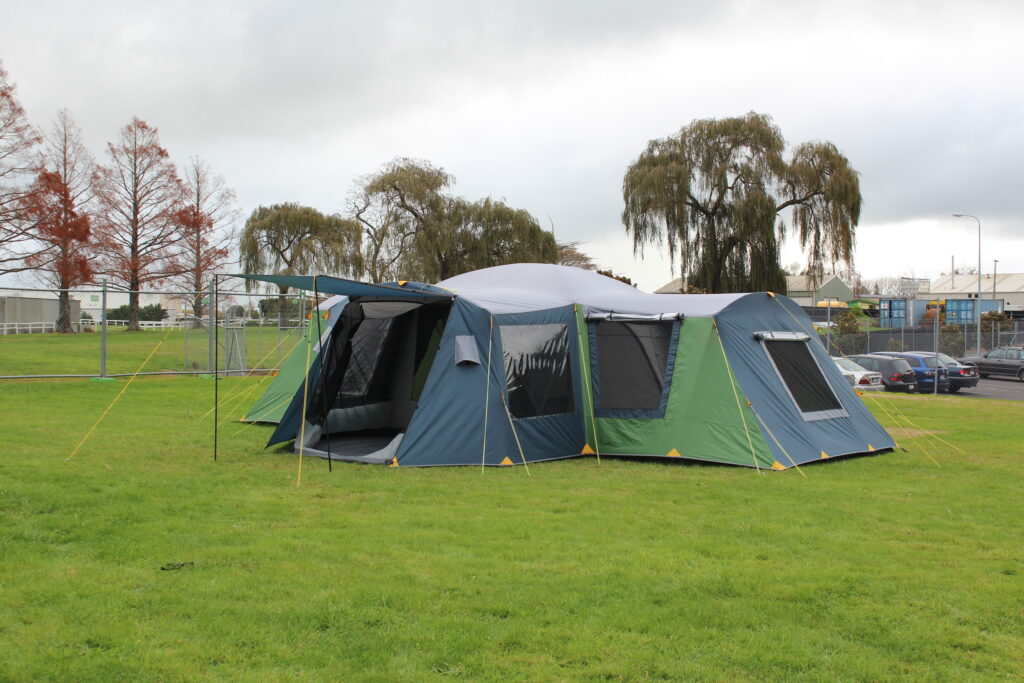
x=529, y=362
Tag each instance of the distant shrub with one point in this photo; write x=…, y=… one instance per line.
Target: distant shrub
x=151, y=313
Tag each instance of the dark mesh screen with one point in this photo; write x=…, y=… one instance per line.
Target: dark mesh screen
x=367, y=345
x=801, y=374
x=631, y=360
x=537, y=369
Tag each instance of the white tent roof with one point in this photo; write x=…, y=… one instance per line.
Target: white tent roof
x=522, y=287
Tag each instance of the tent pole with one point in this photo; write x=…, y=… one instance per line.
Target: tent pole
x=487, y=395
x=589, y=387
x=323, y=395
x=216, y=376
x=305, y=391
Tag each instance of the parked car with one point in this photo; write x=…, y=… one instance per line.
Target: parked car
x=858, y=377
x=897, y=375
x=1002, y=361
x=925, y=368
x=961, y=376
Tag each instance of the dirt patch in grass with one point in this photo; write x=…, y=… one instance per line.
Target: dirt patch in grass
x=908, y=433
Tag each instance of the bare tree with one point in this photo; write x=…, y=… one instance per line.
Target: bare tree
x=139, y=196
x=208, y=220
x=59, y=212
x=18, y=165
x=570, y=254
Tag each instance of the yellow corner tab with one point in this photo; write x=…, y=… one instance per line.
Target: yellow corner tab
x=403, y=283
x=674, y=454
x=859, y=392
x=587, y=450
x=394, y=462
x=506, y=461
x=778, y=465
x=824, y=455
x=870, y=447
x=771, y=294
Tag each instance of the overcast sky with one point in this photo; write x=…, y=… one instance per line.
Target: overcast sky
x=545, y=103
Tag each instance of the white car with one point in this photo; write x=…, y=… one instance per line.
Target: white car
x=858, y=377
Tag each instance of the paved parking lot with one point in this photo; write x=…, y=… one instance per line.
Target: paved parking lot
x=1006, y=389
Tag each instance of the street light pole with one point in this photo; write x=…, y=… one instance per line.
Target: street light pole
x=977, y=304
x=995, y=272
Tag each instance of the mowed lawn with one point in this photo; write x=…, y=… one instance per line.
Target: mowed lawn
x=871, y=568
x=161, y=351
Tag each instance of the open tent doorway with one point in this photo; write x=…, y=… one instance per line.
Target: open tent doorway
x=371, y=374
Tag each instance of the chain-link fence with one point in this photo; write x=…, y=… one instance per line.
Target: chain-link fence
x=953, y=340
x=253, y=332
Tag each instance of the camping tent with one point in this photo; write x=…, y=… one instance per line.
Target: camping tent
x=530, y=362
x=275, y=399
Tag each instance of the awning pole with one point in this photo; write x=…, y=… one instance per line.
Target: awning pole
x=323, y=394
x=305, y=392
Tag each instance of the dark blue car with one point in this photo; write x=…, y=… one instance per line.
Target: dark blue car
x=924, y=366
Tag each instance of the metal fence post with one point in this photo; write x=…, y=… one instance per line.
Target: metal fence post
x=209, y=329
x=184, y=328
x=103, y=329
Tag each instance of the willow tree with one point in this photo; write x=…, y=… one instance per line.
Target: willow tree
x=415, y=228
x=715, y=194
x=288, y=239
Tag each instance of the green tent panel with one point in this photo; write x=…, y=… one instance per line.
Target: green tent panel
x=275, y=399
x=704, y=418
x=271, y=405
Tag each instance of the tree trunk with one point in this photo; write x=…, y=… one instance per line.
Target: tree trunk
x=133, y=304
x=282, y=306
x=64, y=312
x=197, y=305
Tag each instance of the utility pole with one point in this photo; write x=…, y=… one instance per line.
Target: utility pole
x=977, y=304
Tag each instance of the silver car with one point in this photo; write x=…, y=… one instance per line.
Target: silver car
x=858, y=377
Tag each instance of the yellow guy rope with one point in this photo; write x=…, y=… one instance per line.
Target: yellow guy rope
x=894, y=415
x=234, y=391
x=928, y=434
x=903, y=416
x=487, y=396
x=814, y=334
x=522, y=456
x=736, y=394
x=119, y=395
x=305, y=393
x=772, y=434
x=589, y=387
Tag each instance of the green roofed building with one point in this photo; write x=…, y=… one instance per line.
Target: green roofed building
x=530, y=362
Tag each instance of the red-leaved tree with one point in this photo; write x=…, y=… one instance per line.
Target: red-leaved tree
x=57, y=211
x=18, y=164
x=139, y=196
x=207, y=222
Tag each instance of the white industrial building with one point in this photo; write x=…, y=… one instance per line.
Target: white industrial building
x=1006, y=286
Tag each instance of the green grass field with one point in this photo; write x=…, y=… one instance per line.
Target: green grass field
x=175, y=350
x=870, y=568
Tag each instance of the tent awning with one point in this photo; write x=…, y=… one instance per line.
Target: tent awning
x=325, y=284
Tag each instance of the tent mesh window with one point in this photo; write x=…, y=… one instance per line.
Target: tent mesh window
x=537, y=369
x=798, y=369
x=632, y=359
x=367, y=347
